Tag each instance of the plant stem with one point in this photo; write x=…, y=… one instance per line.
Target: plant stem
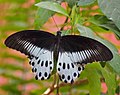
x=67, y=18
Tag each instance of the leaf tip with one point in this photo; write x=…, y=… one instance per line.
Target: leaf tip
x=37, y=4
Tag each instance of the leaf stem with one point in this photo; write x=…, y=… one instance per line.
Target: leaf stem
x=67, y=18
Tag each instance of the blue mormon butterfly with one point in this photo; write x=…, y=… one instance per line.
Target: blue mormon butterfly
x=72, y=52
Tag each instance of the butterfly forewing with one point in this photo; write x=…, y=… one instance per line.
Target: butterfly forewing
x=26, y=41
x=85, y=49
x=39, y=46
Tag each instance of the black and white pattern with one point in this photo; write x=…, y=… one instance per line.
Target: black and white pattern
x=71, y=52
x=42, y=65
x=67, y=69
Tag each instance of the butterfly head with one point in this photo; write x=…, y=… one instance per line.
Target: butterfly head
x=59, y=33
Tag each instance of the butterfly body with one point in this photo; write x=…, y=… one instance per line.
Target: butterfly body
x=67, y=53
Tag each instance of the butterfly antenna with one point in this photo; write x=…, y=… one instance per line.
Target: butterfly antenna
x=55, y=23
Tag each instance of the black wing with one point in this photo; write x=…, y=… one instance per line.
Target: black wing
x=75, y=51
x=26, y=41
x=88, y=50
x=39, y=46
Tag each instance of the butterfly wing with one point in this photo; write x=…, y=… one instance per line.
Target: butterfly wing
x=67, y=70
x=38, y=45
x=87, y=50
x=75, y=51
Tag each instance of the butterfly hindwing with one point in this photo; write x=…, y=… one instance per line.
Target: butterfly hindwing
x=42, y=65
x=67, y=70
x=38, y=46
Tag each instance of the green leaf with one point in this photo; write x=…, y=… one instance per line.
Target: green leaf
x=104, y=22
x=93, y=79
x=84, y=31
x=95, y=71
x=65, y=89
x=110, y=80
x=71, y=3
x=53, y=7
x=42, y=16
x=118, y=90
x=114, y=63
x=85, y=2
x=111, y=8
x=59, y=1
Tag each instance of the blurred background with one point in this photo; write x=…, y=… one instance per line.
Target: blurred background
x=16, y=77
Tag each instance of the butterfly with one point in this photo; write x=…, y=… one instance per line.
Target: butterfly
x=71, y=52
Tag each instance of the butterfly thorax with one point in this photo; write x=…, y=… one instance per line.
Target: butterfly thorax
x=58, y=38
x=57, y=46
x=56, y=49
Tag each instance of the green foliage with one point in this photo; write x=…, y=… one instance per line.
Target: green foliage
x=71, y=3
x=110, y=81
x=17, y=17
x=109, y=78
x=104, y=22
x=111, y=9
x=93, y=79
x=53, y=7
x=39, y=22
x=85, y=2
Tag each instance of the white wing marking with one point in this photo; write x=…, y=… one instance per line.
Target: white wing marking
x=41, y=61
x=42, y=64
x=67, y=70
x=82, y=56
x=70, y=65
